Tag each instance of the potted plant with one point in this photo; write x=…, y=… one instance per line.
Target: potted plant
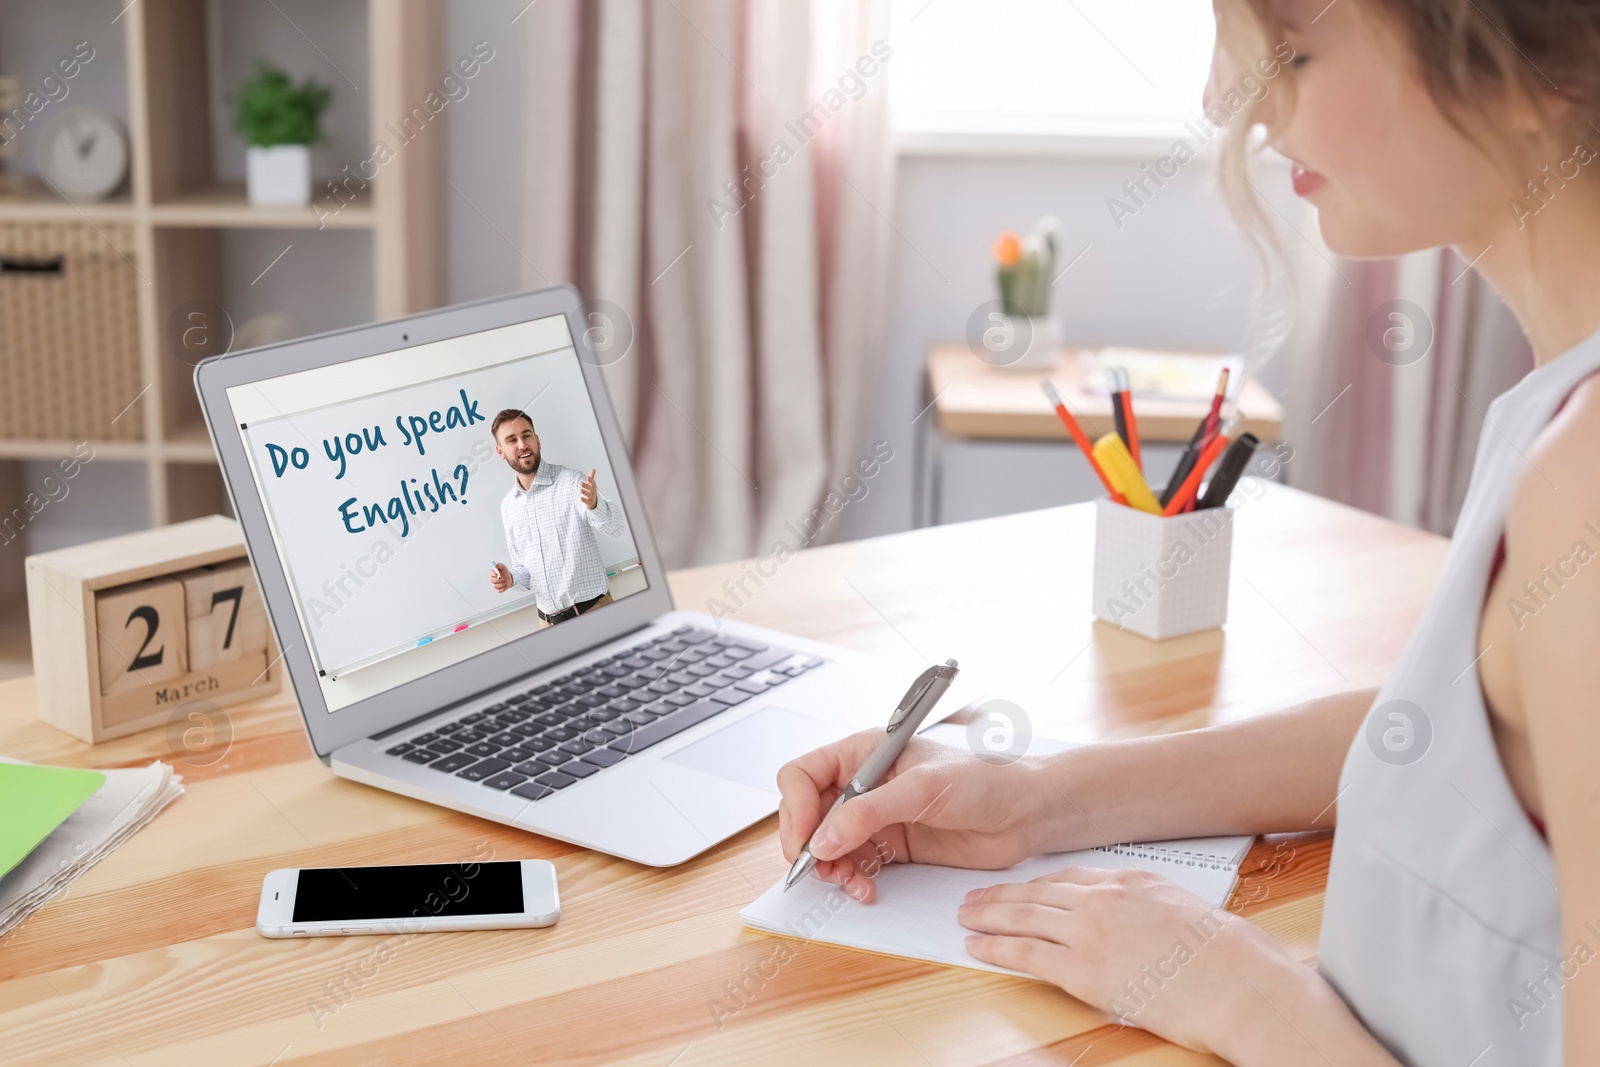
x=279, y=121
x=1025, y=267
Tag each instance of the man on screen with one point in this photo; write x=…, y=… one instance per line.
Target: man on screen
x=550, y=518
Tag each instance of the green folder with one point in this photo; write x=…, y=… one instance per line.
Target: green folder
x=35, y=800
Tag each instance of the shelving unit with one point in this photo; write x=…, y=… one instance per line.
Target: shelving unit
x=180, y=212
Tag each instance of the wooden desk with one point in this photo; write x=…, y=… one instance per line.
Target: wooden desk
x=152, y=956
x=972, y=400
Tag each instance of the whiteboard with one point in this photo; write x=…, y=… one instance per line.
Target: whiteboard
x=386, y=508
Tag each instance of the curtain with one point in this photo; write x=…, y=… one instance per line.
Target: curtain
x=1340, y=427
x=1358, y=400
x=1480, y=352
x=715, y=177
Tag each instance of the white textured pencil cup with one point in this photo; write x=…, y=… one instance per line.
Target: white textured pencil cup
x=1161, y=577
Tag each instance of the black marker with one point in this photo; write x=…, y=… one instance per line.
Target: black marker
x=1229, y=468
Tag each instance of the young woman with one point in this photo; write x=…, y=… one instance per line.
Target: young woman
x=1461, y=924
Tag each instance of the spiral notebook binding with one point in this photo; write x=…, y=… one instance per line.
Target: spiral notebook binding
x=1163, y=855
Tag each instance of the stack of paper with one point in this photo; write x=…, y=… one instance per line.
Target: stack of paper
x=106, y=807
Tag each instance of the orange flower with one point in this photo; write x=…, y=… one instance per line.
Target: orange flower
x=1007, y=249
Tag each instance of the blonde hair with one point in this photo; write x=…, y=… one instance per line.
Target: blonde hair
x=1475, y=58
x=1244, y=32
x=1480, y=60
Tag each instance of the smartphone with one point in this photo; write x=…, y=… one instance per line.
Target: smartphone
x=414, y=898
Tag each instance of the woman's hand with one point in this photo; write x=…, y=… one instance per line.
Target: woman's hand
x=1156, y=956
x=1128, y=942
x=938, y=805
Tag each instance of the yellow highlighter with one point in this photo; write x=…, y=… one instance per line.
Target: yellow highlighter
x=1114, y=459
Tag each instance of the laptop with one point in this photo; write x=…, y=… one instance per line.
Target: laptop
x=457, y=566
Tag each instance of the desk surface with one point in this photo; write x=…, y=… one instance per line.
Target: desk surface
x=973, y=399
x=152, y=957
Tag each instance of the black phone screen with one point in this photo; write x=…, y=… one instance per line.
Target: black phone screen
x=331, y=894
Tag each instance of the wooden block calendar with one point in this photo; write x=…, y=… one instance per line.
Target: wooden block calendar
x=129, y=630
x=227, y=621
x=140, y=630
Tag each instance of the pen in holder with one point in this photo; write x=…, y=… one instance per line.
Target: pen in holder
x=1161, y=576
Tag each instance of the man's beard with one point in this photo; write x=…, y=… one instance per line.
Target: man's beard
x=526, y=465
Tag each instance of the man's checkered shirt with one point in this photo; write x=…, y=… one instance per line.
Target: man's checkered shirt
x=550, y=534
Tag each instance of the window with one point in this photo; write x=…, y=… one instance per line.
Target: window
x=1075, y=68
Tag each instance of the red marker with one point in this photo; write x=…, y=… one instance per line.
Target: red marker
x=1209, y=427
x=1185, y=494
x=1078, y=436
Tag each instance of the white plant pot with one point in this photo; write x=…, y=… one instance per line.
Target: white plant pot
x=278, y=175
x=1043, y=346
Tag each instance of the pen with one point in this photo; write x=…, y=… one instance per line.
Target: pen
x=1229, y=468
x=1132, y=438
x=1078, y=437
x=1191, y=483
x=903, y=725
x=1186, y=463
x=1208, y=426
x=1197, y=441
x=1119, y=407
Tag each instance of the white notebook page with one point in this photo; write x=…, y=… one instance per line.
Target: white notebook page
x=915, y=912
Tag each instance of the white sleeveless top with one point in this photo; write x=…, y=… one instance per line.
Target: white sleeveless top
x=1441, y=926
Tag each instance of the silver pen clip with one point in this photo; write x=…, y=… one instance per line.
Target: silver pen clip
x=919, y=688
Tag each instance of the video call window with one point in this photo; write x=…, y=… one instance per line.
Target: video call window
x=422, y=518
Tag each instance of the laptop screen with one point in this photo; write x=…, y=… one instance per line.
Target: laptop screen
x=436, y=502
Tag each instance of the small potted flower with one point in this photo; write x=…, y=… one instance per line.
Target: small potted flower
x=1025, y=267
x=279, y=121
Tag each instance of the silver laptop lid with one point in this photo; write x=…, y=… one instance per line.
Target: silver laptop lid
x=375, y=505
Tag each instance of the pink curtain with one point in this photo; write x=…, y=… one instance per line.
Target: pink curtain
x=1342, y=451
x=716, y=176
x=1343, y=427
x=1479, y=352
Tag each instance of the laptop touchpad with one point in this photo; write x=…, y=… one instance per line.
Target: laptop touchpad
x=751, y=750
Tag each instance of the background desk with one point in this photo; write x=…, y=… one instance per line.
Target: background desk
x=152, y=957
x=966, y=400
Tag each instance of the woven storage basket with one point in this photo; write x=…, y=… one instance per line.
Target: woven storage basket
x=69, y=331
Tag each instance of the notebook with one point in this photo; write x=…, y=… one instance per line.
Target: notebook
x=126, y=800
x=36, y=800
x=915, y=912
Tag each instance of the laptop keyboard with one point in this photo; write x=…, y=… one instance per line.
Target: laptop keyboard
x=568, y=728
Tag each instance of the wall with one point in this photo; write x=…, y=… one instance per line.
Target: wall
x=1174, y=274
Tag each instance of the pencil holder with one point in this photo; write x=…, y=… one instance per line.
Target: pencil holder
x=1161, y=577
